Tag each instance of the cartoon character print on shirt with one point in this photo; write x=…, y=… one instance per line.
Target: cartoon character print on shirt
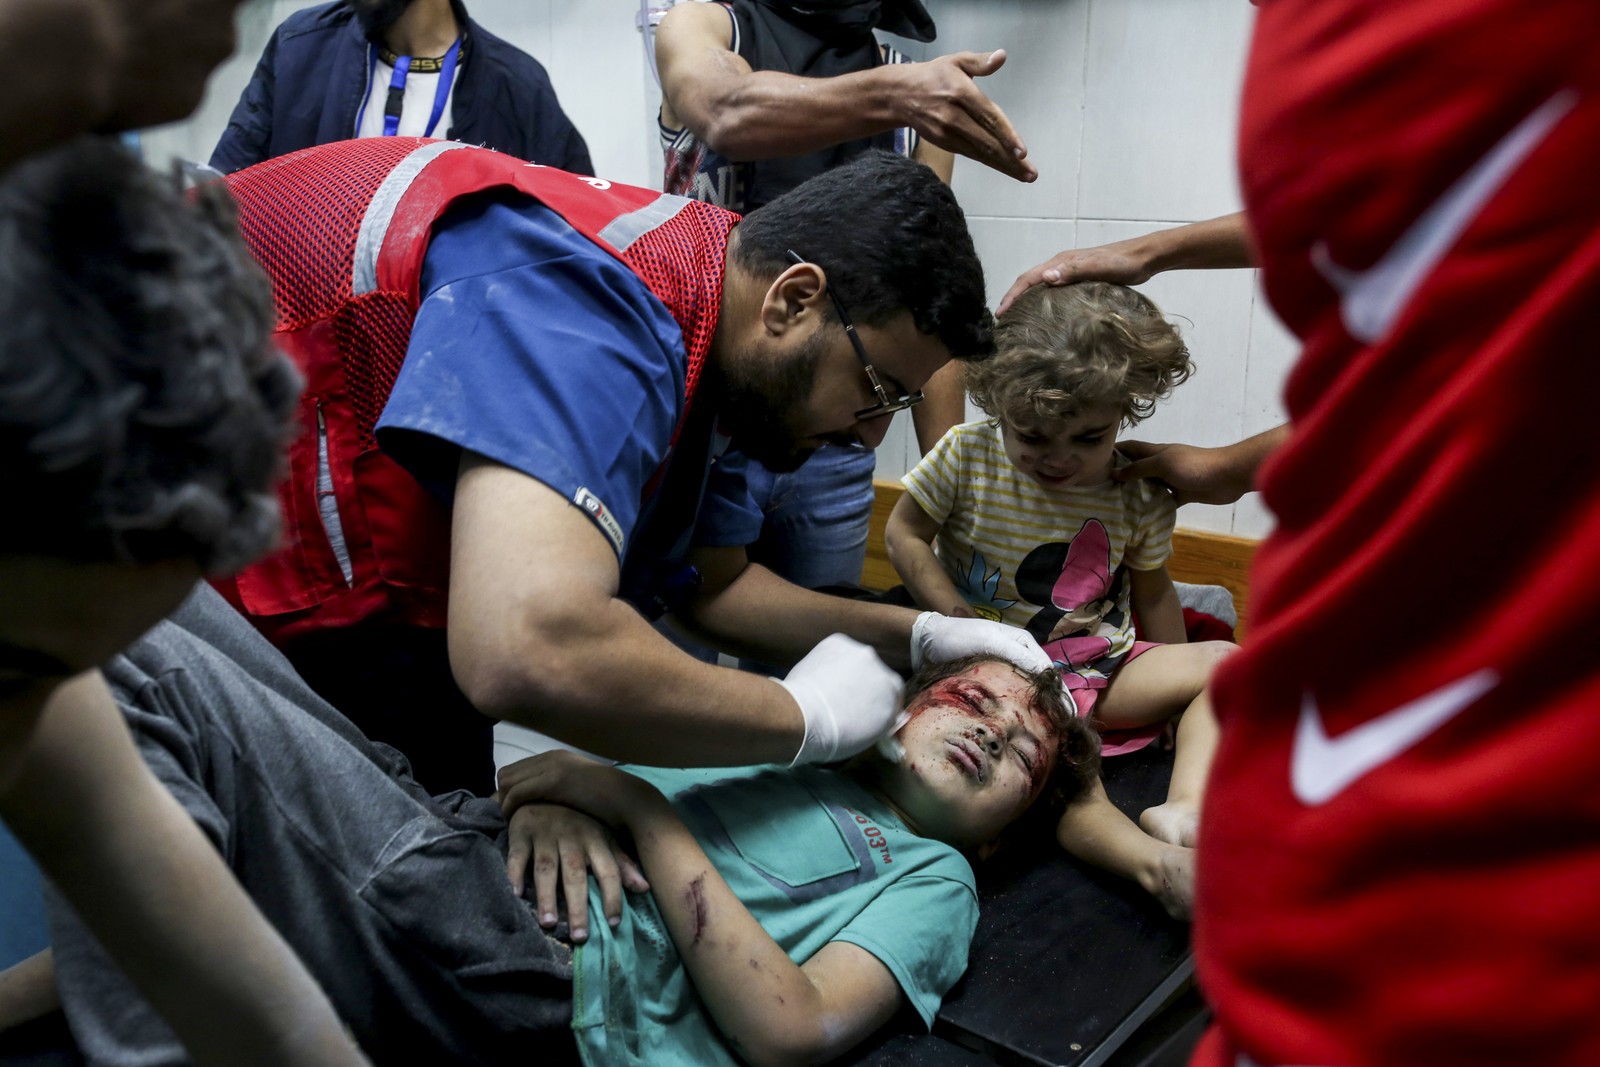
x=1080, y=596
x=979, y=586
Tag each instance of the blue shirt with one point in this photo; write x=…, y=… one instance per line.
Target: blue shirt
x=731, y=515
x=539, y=350
x=312, y=78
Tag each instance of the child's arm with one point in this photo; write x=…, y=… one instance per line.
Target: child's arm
x=1155, y=602
x=1095, y=831
x=770, y=1009
x=909, y=538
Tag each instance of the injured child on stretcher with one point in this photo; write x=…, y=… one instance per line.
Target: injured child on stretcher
x=772, y=914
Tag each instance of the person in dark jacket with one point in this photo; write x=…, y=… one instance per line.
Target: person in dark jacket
x=411, y=67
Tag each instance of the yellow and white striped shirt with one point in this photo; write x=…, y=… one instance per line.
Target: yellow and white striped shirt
x=1050, y=560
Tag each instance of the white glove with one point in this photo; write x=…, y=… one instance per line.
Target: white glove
x=936, y=638
x=847, y=695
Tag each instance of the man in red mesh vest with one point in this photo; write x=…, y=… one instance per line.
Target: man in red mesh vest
x=521, y=386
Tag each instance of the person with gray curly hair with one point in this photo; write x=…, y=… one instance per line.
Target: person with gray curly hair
x=142, y=416
x=130, y=453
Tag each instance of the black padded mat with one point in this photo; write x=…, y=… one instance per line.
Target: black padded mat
x=1069, y=961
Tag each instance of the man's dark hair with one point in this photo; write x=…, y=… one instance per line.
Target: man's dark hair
x=143, y=412
x=889, y=235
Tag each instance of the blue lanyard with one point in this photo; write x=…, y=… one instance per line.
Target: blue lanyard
x=397, y=90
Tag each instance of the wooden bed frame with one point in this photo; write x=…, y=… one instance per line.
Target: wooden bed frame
x=1197, y=556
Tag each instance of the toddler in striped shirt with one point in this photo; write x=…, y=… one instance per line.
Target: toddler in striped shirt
x=1020, y=518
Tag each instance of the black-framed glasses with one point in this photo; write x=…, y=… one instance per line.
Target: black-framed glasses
x=886, y=405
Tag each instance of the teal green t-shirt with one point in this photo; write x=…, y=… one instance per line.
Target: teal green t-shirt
x=816, y=859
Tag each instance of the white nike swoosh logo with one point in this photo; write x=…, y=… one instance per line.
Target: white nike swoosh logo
x=1371, y=300
x=1322, y=767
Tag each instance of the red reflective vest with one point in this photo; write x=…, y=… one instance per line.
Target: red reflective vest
x=342, y=230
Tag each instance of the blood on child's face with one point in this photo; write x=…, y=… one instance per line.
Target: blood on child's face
x=977, y=753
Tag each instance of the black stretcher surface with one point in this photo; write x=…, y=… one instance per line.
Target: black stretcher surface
x=1068, y=962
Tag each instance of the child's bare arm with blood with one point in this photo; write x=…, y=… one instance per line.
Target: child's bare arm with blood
x=1094, y=830
x=770, y=1009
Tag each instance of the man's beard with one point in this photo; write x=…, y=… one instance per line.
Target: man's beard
x=378, y=16
x=759, y=402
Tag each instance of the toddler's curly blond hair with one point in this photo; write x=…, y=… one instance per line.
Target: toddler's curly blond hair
x=1065, y=349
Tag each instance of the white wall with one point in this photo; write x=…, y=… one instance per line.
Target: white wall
x=590, y=47
x=1128, y=108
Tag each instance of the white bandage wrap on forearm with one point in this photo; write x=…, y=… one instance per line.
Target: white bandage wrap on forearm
x=936, y=638
x=848, y=697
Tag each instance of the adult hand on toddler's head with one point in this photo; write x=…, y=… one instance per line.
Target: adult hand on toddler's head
x=567, y=846
x=1122, y=263
x=936, y=638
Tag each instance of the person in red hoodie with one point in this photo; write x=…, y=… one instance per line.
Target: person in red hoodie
x=1400, y=852
x=1398, y=859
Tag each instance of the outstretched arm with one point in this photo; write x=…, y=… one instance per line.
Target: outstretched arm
x=156, y=894
x=1215, y=243
x=746, y=609
x=539, y=635
x=945, y=406
x=1202, y=475
x=771, y=1010
x=747, y=115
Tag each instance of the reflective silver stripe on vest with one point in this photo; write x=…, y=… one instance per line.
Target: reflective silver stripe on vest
x=375, y=223
x=328, y=502
x=623, y=230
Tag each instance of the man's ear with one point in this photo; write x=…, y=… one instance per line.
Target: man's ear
x=793, y=297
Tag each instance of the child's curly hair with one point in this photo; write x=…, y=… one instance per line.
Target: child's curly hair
x=1064, y=349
